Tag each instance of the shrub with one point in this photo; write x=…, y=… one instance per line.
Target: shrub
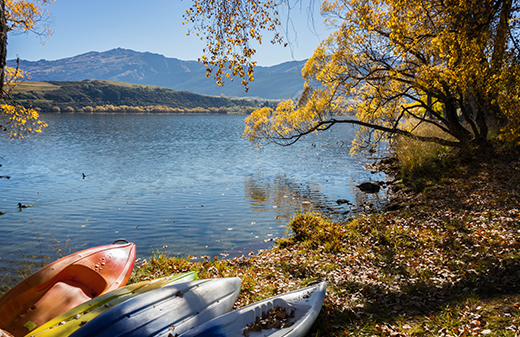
x=314, y=231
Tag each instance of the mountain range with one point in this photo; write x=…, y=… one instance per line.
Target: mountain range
x=281, y=81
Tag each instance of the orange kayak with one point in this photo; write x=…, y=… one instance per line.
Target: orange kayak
x=65, y=284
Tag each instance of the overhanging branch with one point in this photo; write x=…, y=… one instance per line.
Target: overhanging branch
x=325, y=125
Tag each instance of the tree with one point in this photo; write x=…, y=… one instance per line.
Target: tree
x=448, y=63
x=228, y=27
x=19, y=16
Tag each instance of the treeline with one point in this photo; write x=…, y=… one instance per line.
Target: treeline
x=92, y=96
x=109, y=108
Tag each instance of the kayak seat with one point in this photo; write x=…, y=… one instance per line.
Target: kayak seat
x=91, y=279
x=58, y=295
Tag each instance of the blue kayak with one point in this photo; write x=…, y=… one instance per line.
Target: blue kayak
x=65, y=324
x=171, y=310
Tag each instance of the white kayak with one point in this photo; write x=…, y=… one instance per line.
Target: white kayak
x=289, y=315
x=170, y=310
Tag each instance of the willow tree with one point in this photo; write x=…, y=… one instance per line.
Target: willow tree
x=18, y=16
x=228, y=28
x=452, y=64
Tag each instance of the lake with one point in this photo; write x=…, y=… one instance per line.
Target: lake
x=186, y=185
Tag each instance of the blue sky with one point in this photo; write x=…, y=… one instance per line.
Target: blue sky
x=155, y=26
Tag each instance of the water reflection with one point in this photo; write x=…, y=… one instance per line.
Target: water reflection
x=288, y=194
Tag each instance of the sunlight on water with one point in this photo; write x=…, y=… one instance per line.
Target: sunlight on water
x=183, y=184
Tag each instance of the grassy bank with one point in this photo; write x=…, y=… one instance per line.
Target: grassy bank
x=446, y=263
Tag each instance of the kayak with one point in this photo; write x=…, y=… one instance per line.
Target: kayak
x=172, y=310
x=289, y=315
x=64, y=284
x=65, y=324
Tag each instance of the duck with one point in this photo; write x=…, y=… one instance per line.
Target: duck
x=23, y=206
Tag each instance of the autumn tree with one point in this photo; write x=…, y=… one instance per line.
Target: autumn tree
x=18, y=16
x=452, y=64
x=228, y=28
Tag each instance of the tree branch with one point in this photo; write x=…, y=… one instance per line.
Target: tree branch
x=325, y=125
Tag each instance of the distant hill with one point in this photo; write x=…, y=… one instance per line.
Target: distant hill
x=276, y=82
x=110, y=96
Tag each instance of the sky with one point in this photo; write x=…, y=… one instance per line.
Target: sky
x=154, y=26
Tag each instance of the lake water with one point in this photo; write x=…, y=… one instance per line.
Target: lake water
x=180, y=184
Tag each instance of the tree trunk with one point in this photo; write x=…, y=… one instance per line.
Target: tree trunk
x=481, y=120
x=497, y=60
x=456, y=129
x=499, y=43
x=3, y=46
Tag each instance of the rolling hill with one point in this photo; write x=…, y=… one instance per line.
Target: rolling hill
x=111, y=96
x=276, y=82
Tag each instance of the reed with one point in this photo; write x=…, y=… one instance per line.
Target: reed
x=421, y=163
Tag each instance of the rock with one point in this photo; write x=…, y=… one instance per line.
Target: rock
x=369, y=187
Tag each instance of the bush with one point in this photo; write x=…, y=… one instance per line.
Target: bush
x=315, y=231
x=56, y=109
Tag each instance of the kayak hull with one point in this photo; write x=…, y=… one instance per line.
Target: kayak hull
x=171, y=309
x=64, y=284
x=301, y=306
x=70, y=321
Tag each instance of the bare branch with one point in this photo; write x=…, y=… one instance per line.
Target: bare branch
x=325, y=125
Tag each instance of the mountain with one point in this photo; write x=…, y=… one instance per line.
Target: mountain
x=281, y=81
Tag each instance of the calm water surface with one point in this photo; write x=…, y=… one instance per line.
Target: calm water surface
x=180, y=184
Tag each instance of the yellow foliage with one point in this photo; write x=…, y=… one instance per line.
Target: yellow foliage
x=448, y=64
x=21, y=15
x=228, y=27
x=511, y=131
x=18, y=121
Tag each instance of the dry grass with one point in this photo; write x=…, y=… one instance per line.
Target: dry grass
x=35, y=86
x=422, y=162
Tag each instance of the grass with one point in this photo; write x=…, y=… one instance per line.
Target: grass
x=422, y=163
x=27, y=86
x=41, y=87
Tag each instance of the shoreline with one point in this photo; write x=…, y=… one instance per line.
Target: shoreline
x=393, y=202
x=444, y=263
